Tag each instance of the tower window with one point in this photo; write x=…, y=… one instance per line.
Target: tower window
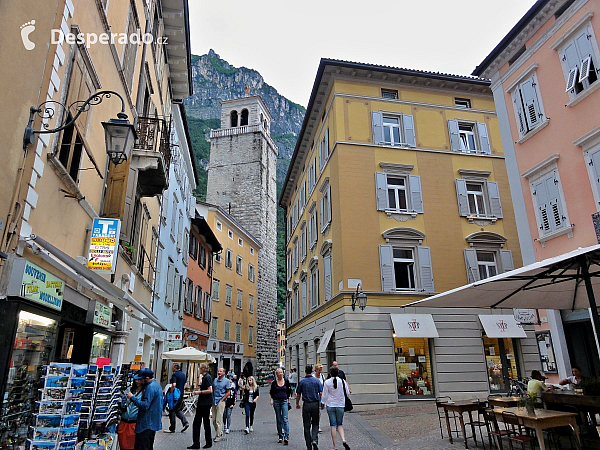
x=234, y=119
x=244, y=120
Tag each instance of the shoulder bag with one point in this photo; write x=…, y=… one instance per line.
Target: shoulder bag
x=348, y=405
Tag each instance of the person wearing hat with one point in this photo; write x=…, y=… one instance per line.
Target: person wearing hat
x=536, y=385
x=149, y=410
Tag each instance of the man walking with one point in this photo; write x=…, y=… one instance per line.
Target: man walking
x=310, y=390
x=342, y=375
x=221, y=390
x=178, y=380
x=149, y=410
x=205, y=401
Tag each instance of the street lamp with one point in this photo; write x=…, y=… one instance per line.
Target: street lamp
x=359, y=298
x=119, y=133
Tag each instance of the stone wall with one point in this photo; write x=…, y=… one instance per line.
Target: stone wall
x=242, y=180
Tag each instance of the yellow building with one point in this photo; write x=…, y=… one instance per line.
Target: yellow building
x=233, y=323
x=398, y=188
x=60, y=182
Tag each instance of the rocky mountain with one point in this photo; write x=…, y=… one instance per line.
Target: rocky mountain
x=216, y=80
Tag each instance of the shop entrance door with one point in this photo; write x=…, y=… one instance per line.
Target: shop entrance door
x=237, y=366
x=501, y=361
x=582, y=347
x=226, y=364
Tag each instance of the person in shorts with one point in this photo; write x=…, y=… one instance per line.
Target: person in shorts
x=293, y=379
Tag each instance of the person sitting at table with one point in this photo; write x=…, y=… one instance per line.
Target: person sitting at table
x=536, y=385
x=575, y=379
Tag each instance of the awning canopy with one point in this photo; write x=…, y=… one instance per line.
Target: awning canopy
x=325, y=341
x=99, y=285
x=188, y=354
x=501, y=326
x=414, y=325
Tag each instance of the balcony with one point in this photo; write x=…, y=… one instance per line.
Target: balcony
x=152, y=155
x=234, y=131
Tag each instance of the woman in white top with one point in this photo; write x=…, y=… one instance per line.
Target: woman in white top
x=334, y=399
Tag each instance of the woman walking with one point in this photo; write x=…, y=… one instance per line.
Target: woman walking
x=251, y=394
x=334, y=399
x=229, y=404
x=280, y=393
x=126, y=430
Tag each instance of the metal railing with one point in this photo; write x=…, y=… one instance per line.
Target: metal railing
x=234, y=131
x=145, y=266
x=154, y=135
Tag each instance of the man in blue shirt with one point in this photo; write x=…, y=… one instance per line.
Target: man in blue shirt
x=178, y=380
x=221, y=390
x=310, y=390
x=149, y=410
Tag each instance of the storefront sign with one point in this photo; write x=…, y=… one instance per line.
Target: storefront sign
x=140, y=347
x=42, y=287
x=524, y=315
x=174, y=335
x=192, y=337
x=103, y=245
x=501, y=326
x=102, y=315
x=227, y=347
x=173, y=345
x=414, y=325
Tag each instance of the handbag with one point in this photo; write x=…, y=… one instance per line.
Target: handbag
x=289, y=406
x=242, y=404
x=348, y=405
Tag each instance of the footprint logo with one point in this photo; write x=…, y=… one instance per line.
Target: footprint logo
x=26, y=29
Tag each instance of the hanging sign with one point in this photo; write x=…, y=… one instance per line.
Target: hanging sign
x=102, y=315
x=524, y=315
x=174, y=335
x=41, y=286
x=192, y=337
x=104, y=245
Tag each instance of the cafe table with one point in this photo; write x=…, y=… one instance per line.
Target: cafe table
x=504, y=402
x=461, y=407
x=542, y=419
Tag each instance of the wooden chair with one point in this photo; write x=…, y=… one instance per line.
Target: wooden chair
x=520, y=433
x=442, y=415
x=494, y=428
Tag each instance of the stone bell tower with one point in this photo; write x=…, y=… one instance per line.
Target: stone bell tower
x=242, y=180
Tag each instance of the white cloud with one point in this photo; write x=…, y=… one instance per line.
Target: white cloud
x=284, y=41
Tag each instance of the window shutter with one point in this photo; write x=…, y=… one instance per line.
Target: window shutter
x=595, y=164
x=327, y=276
x=322, y=207
x=556, y=213
x=327, y=143
x=386, y=266
x=409, y=130
x=170, y=279
x=585, y=68
x=127, y=221
x=381, y=190
x=571, y=64
x=541, y=197
x=377, y=119
x=584, y=45
x=471, y=263
x=415, y=193
x=454, y=135
x=176, y=290
x=484, y=140
x=507, y=260
x=425, y=269
x=530, y=100
x=329, y=204
x=304, y=304
x=461, y=194
x=519, y=112
x=494, y=195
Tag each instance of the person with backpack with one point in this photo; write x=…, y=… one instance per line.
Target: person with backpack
x=280, y=394
x=229, y=404
x=178, y=380
x=335, y=391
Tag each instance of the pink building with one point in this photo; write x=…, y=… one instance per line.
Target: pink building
x=545, y=79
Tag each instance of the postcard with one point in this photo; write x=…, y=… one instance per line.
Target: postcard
x=57, y=369
x=48, y=420
x=40, y=445
x=51, y=407
x=45, y=434
x=80, y=370
x=67, y=445
x=70, y=420
x=68, y=434
x=54, y=393
x=73, y=407
x=77, y=382
x=56, y=381
x=75, y=394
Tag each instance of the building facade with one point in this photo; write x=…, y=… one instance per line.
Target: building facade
x=398, y=189
x=59, y=183
x=242, y=181
x=234, y=311
x=547, y=67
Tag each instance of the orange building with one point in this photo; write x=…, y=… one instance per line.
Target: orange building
x=197, y=304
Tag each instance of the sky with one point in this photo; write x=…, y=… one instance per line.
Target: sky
x=284, y=40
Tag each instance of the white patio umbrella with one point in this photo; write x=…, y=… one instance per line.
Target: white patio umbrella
x=189, y=354
x=569, y=281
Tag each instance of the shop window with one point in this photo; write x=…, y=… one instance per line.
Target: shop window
x=501, y=362
x=413, y=367
x=34, y=346
x=546, y=352
x=100, y=347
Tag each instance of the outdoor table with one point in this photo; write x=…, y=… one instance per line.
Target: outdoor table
x=585, y=403
x=461, y=407
x=541, y=419
x=504, y=402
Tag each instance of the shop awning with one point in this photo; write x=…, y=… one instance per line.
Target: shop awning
x=325, y=341
x=501, y=326
x=414, y=325
x=101, y=286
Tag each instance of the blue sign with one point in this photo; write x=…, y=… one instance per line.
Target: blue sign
x=104, y=244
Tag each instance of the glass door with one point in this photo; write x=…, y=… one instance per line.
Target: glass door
x=501, y=363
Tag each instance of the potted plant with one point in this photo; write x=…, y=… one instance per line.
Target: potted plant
x=529, y=401
x=128, y=249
